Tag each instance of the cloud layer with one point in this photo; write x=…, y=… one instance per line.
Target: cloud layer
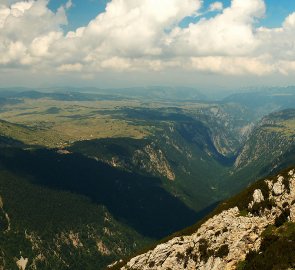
x=145, y=35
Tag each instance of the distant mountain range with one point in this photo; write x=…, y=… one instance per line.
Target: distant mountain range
x=81, y=94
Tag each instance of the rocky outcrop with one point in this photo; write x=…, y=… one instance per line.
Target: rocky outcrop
x=22, y=263
x=225, y=239
x=145, y=159
x=101, y=247
x=154, y=161
x=278, y=188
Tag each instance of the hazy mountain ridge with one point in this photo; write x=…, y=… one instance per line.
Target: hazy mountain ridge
x=158, y=93
x=265, y=101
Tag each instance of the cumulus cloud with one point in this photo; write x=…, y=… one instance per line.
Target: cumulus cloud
x=233, y=65
x=216, y=6
x=228, y=33
x=27, y=29
x=139, y=35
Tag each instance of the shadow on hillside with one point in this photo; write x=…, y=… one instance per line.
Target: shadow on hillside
x=136, y=200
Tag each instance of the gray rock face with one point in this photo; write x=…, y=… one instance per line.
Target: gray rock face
x=223, y=240
x=22, y=263
x=278, y=187
x=258, y=196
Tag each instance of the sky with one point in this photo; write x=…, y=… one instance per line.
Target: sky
x=123, y=43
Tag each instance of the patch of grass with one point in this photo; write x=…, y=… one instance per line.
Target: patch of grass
x=53, y=123
x=244, y=213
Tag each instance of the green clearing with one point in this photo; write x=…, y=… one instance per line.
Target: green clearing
x=54, y=123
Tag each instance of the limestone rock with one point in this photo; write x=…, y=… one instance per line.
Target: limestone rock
x=258, y=196
x=22, y=263
x=102, y=248
x=292, y=213
x=278, y=187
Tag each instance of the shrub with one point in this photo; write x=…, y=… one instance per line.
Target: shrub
x=282, y=218
x=189, y=251
x=217, y=233
x=266, y=204
x=285, y=204
x=204, y=250
x=222, y=251
x=224, y=230
x=268, y=240
x=244, y=213
x=179, y=256
x=286, y=183
x=152, y=264
x=241, y=265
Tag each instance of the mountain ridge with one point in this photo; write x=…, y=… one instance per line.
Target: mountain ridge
x=234, y=236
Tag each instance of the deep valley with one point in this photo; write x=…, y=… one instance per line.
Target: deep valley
x=91, y=176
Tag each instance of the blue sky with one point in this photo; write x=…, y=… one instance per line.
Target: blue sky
x=83, y=11
x=276, y=11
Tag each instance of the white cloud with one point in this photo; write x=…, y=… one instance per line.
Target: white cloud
x=228, y=33
x=69, y=4
x=216, y=6
x=279, y=42
x=144, y=35
x=26, y=27
x=131, y=28
x=233, y=65
x=40, y=45
x=71, y=67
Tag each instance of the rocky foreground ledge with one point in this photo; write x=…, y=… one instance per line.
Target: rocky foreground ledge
x=224, y=240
